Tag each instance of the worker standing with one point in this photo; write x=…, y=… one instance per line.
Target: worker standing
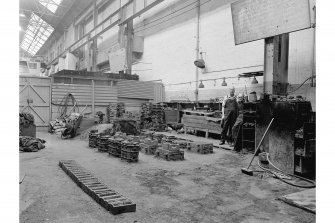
x=229, y=114
x=239, y=120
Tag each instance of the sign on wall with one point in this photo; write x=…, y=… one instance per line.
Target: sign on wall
x=117, y=60
x=259, y=19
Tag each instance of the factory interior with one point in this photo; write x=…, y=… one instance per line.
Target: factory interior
x=154, y=111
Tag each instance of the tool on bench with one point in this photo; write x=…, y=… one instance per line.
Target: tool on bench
x=246, y=170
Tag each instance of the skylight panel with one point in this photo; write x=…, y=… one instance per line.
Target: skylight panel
x=52, y=5
x=38, y=31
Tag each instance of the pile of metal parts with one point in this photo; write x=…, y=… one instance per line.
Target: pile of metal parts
x=27, y=124
x=127, y=126
x=115, y=110
x=66, y=126
x=26, y=119
x=158, y=137
x=158, y=117
x=127, y=147
x=92, y=138
x=114, y=147
x=133, y=115
x=152, y=116
x=182, y=144
x=31, y=144
x=149, y=146
x=200, y=147
x=130, y=151
x=169, y=139
x=170, y=151
x=100, y=117
x=111, y=200
x=102, y=142
x=119, y=145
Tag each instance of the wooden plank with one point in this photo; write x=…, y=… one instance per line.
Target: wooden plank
x=304, y=199
x=259, y=19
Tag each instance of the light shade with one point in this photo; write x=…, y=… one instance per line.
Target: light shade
x=224, y=83
x=200, y=63
x=201, y=85
x=254, y=81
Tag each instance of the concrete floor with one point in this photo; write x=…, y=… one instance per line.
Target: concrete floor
x=203, y=188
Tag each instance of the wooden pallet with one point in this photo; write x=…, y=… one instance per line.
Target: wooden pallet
x=207, y=131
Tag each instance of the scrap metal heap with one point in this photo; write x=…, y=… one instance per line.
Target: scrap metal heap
x=149, y=146
x=92, y=138
x=114, y=146
x=102, y=142
x=152, y=116
x=200, y=147
x=182, y=144
x=169, y=139
x=170, y=151
x=158, y=137
x=115, y=110
x=158, y=117
x=127, y=147
x=130, y=151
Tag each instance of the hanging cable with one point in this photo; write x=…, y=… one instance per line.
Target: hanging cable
x=301, y=85
x=67, y=101
x=281, y=175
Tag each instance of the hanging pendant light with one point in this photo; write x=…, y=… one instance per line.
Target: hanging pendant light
x=201, y=85
x=254, y=81
x=224, y=83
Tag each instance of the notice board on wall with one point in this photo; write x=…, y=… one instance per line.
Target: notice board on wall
x=259, y=19
x=117, y=60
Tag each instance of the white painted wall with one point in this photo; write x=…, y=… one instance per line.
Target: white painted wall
x=169, y=48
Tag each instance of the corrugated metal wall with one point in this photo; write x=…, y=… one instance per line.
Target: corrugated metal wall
x=82, y=93
x=134, y=93
x=105, y=95
x=159, y=93
x=96, y=97
x=132, y=104
x=95, y=94
x=136, y=89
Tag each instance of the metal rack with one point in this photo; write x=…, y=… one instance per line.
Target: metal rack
x=304, y=150
x=249, y=126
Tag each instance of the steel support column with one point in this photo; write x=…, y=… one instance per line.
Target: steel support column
x=276, y=52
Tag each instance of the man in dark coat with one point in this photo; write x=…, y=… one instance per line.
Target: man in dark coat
x=229, y=114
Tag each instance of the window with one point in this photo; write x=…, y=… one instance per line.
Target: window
x=32, y=65
x=52, y=5
x=23, y=68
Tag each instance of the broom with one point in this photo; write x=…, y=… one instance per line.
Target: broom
x=246, y=170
